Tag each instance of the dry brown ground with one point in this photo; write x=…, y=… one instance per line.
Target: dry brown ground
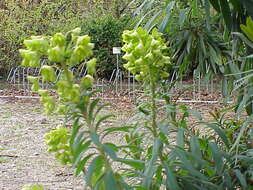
x=23, y=155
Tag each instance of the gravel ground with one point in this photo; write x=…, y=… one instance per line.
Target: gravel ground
x=23, y=156
x=24, y=159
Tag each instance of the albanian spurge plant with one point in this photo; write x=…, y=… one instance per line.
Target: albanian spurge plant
x=74, y=101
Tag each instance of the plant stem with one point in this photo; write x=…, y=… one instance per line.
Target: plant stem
x=153, y=108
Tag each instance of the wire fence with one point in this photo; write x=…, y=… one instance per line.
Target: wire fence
x=122, y=83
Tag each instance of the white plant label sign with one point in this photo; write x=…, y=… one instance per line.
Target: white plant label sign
x=116, y=50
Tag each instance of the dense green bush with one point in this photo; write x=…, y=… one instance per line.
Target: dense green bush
x=23, y=19
x=105, y=33
x=19, y=20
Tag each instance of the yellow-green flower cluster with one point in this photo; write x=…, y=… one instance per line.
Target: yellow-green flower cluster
x=62, y=52
x=35, y=47
x=70, y=48
x=58, y=142
x=145, y=54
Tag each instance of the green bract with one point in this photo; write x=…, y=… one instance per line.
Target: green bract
x=56, y=54
x=83, y=40
x=91, y=66
x=48, y=73
x=87, y=82
x=58, y=40
x=37, y=43
x=30, y=58
x=145, y=54
x=58, y=141
x=35, y=82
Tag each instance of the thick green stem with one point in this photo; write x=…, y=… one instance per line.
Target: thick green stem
x=153, y=108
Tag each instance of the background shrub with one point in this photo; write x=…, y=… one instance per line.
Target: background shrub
x=105, y=33
x=19, y=20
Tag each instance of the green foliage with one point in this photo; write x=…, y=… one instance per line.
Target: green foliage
x=105, y=32
x=248, y=28
x=103, y=7
x=240, y=70
x=209, y=160
x=233, y=12
x=21, y=19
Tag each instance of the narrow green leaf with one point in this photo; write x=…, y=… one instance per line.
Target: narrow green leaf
x=100, y=183
x=77, y=154
x=80, y=166
x=92, y=107
x=242, y=130
x=225, y=87
x=75, y=130
x=180, y=138
x=100, y=108
x=110, y=152
x=182, y=16
x=117, y=129
x=202, y=45
x=244, y=39
x=148, y=25
x=195, y=147
x=95, y=167
x=77, y=141
x=150, y=168
x=217, y=157
x=242, y=179
x=228, y=180
x=186, y=163
x=142, y=18
x=226, y=12
x=100, y=120
x=95, y=138
x=195, y=113
x=219, y=131
x=165, y=20
x=171, y=180
x=110, y=182
x=137, y=164
x=189, y=43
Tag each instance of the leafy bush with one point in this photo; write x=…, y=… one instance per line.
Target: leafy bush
x=162, y=150
x=105, y=32
x=23, y=19
x=195, y=39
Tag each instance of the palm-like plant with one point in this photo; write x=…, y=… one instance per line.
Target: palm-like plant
x=196, y=41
